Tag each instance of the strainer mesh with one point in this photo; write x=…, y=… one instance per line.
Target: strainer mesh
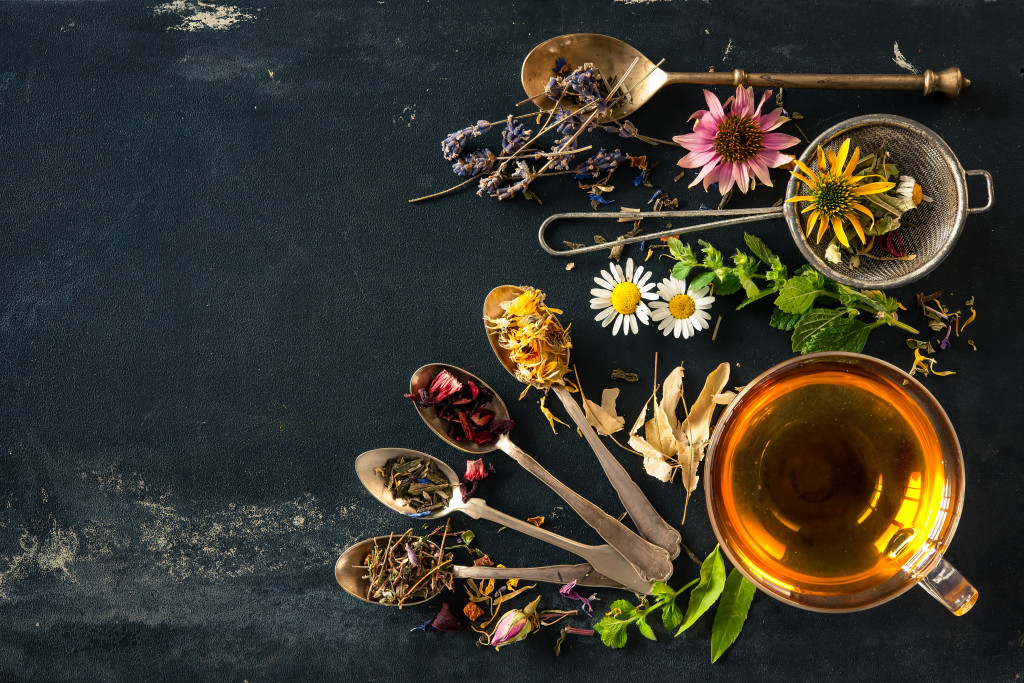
x=931, y=228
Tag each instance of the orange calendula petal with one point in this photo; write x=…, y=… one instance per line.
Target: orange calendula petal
x=872, y=188
x=833, y=163
x=821, y=160
x=855, y=222
x=854, y=160
x=801, y=198
x=822, y=227
x=837, y=228
x=810, y=207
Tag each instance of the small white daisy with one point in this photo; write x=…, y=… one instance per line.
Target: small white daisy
x=620, y=296
x=681, y=311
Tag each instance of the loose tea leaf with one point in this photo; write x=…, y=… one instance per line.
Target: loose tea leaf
x=407, y=568
x=417, y=484
x=731, y=614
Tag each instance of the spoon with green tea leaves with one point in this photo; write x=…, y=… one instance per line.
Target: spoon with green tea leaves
x=518, y=323
x=612, y=57
x=468, y=414
x=603, y=558
x=398, y=571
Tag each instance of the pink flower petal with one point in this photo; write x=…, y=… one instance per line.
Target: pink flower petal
x=778, y=141
x=691, y=140
x=726, y=177
x=770, y=121
x=711, y=177
x=714, y=106
x=742, y=177
x=764, y=98
x=773, y=159
x=760, y=170
x=696, y=159
x=704, y=171
x=743, y=105
x=706, y=128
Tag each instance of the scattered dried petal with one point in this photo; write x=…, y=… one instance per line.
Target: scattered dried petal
x=536, y=521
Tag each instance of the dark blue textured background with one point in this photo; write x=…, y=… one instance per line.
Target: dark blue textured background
x=213, y=292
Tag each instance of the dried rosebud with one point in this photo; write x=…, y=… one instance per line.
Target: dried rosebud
x=513, y=626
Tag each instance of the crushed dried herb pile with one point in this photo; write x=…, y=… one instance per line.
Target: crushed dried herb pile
x=407, y=568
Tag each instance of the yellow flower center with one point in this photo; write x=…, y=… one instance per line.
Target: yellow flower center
x=833, y=195
x=739, y=138
x=625, y=298
x=681, y=306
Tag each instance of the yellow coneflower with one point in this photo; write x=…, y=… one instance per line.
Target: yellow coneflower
x=834, y=191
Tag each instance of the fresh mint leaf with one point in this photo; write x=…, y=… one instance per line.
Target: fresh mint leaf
x=784, y=321
x=662, y=590
x=625, y=609
x=759, y=248
x=680, y=271
x=702, y=280
x=799, y=293
x=681, y=252
x=645, y=629
x=712, y=580
x=731, y=614
x=751, y=299
x=813, y=323
x=612, y=631
x=844, y=334
x=730, y=284
x=712, y=257
x=671, y=615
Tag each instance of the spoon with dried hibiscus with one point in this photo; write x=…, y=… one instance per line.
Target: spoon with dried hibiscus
x=603, y=558
x=534, y=347
x=469, y=415
x=402, y=569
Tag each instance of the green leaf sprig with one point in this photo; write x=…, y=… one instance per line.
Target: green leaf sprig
x=736, y=594
x=822, y=314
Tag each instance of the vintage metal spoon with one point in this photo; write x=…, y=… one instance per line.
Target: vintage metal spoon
x=351, y=572
x=613, y=56
x=647, y=520
x=651, y=561
x=603, y=558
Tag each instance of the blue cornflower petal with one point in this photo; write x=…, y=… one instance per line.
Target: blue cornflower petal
x=654, y=196
x=600, y=200
x=417, y=514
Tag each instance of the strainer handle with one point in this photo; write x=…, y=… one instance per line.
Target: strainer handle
x=988, y=186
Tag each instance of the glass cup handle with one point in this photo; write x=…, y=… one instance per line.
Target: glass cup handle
x=949, y=587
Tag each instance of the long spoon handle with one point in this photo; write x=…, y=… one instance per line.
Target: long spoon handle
x=647, y=520
x=651, y=561
x=948, y=81
x=582, y=574
x=604, y=558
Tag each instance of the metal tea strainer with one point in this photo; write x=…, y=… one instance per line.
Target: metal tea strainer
x=929, y=232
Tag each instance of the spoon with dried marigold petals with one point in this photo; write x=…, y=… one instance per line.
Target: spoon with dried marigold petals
x=533, y=346
x=603, y=558
x=468, y=414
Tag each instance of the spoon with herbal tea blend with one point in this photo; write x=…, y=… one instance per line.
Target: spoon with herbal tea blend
x=467, y=430
x=511, y=317
x=612, y=57
x=360, y=571
x=604, y=559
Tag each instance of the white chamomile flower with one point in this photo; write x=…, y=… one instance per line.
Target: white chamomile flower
x=681, y=311
x=620, y=296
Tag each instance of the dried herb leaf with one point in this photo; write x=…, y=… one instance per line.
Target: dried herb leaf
x=603, y=418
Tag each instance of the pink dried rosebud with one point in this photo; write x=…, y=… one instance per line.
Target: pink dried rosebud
x=513, y=625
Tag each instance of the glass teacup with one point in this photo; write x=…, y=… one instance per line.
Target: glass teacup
x=834, y=482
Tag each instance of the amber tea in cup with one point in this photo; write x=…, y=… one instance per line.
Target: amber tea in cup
x=834, y=482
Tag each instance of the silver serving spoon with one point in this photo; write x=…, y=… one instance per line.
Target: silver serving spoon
x=350, y=573
x=650, y=524
x=613, y=57
x=603, y=558
x=651, y=561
